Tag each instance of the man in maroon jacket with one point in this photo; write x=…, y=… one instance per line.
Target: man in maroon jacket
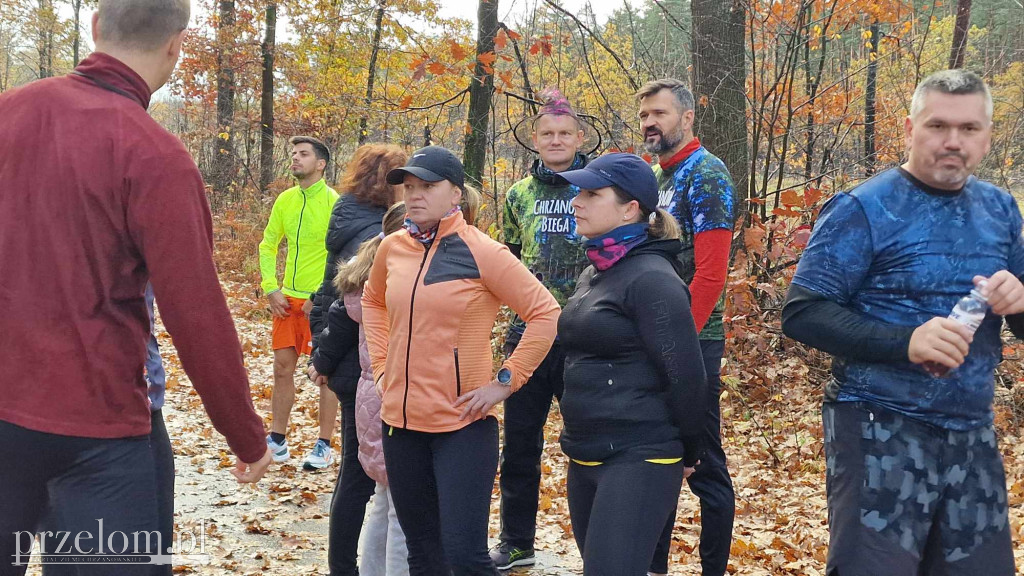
x=95, y=199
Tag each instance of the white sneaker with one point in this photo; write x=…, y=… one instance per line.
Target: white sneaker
x=279, y=452
x=320, y=457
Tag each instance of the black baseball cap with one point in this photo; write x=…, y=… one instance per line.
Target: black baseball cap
x=628, y=172
x=431, y=164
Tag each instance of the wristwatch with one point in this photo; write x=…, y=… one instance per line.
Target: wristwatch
x=504, y=377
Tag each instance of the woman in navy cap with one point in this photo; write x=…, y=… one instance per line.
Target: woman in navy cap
x=635, y=388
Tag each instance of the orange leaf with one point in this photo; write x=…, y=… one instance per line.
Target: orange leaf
x=545, y=47
x=753, y=237
x=417, y=63
x=506, y=77
x=437, y=68
x=406, y=102
x=785, y=212
x=790, y=198
x=534, y=48
x=487, y=58
x=500, y=40
x=513, y=35
x=458, y=52
x=811, y=196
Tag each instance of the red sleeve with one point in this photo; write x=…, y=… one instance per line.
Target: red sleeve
x=169, y=220
x=711, y=254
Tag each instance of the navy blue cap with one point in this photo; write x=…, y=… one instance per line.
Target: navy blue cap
x=628, y=172
x=432, y=164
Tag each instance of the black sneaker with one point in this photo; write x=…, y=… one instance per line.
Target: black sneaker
x=506, y=556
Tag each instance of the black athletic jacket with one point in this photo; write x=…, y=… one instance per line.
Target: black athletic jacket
x=634, y=375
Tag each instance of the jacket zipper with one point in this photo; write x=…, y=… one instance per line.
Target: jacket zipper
x=408, y=346
x=579, y=301
x=298, y=231
x=458, y=377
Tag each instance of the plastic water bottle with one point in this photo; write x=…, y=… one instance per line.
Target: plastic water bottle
x=969, y=311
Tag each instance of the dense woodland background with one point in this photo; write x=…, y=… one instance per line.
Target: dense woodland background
x=801, y=98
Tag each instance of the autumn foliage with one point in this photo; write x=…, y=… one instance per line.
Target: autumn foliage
x=806, y=98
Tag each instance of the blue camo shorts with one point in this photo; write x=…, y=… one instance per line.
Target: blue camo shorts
x=909, y=498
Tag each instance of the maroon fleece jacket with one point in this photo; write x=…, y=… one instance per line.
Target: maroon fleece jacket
x=95, y=199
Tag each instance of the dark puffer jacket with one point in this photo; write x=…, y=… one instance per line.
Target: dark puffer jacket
x=352, y=223
x=337, y=341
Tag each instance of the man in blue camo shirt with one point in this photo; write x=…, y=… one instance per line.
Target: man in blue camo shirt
x=914, y=478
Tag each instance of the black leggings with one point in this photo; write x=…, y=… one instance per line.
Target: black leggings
x=441, y=486
x=351, y=493
x=82, y=482
x=618, y=511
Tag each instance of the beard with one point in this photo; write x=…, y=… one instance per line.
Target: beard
x=299, y=173
x=665, y=142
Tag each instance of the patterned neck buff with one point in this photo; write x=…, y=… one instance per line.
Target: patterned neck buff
x=606, y=250
x=547, y=175
x=425, y=237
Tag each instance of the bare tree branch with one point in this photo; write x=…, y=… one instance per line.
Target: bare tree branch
x=596, y=38
x=522, y=67
x=673, y=19
x=462, y=92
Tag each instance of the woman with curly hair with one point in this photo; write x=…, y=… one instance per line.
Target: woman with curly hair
x=365, y=197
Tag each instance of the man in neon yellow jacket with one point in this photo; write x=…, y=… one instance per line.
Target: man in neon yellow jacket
x=301, y=215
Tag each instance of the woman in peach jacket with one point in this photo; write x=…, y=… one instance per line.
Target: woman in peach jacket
x=429, y=307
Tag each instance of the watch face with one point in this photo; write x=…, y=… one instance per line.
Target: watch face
x=504, y=375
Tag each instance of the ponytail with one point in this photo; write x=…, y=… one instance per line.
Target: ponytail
x=663, y=225
x=470, y=203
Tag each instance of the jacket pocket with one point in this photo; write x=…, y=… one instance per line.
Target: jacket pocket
x=458, y=375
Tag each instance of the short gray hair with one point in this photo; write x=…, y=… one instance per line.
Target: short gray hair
x=142, y=24
x=684, y=98
x=955, y=81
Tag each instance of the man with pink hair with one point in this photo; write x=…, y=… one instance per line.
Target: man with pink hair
x=540, y=229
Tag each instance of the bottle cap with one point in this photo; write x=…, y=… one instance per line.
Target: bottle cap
x=978, y=291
